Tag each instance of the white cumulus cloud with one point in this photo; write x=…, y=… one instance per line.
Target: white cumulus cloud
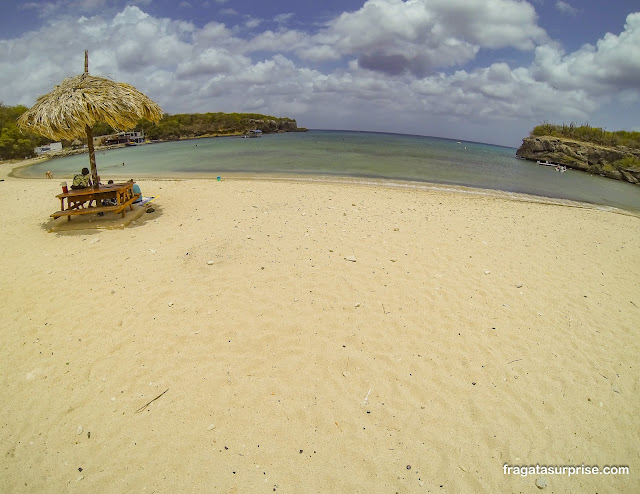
x=566, y=8
x=420, y=36
x=613, y=64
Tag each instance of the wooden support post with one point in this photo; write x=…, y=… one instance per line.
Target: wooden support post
x=92, y=156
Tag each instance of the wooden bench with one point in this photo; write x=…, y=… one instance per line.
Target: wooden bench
x=120, y=208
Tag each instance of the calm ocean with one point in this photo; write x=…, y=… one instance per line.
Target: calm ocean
x=353, y=154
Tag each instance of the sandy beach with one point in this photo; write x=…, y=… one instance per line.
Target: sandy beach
x=302, y=337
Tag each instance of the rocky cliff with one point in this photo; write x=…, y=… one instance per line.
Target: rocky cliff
x=617, y=162
x=281, y=125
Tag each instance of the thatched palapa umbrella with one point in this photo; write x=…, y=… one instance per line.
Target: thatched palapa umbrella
x=73, y=108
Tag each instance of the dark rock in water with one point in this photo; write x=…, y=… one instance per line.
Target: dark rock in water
x=585, y=156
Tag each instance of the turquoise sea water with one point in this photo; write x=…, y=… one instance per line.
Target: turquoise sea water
x=353, y=154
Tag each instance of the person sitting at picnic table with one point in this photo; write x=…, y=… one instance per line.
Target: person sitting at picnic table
x=110, y=202
x=82, y=180
x=136, y=190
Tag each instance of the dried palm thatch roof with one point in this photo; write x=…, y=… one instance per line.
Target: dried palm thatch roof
x=74, y=107
x=81, y=101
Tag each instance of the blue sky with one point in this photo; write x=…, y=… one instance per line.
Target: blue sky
x=483, y=70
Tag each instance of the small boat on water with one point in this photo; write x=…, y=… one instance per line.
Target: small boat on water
x=254, y=133
x=557, y=166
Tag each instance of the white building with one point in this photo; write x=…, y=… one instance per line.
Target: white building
x=131, y=137
x=47, y=148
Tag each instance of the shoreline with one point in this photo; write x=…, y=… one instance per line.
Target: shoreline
x=355, y=180
x=504, y=178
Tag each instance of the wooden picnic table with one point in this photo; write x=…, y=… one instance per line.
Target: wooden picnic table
x=89, y=200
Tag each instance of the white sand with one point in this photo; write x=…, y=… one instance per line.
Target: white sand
x=470, y=332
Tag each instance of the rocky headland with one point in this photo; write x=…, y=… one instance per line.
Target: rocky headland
x=272, y=126
x=617, y=162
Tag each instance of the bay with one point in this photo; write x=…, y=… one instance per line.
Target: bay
x=351, y=154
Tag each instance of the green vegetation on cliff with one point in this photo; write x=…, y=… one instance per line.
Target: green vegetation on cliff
x=16, y=144
x=585, y=133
